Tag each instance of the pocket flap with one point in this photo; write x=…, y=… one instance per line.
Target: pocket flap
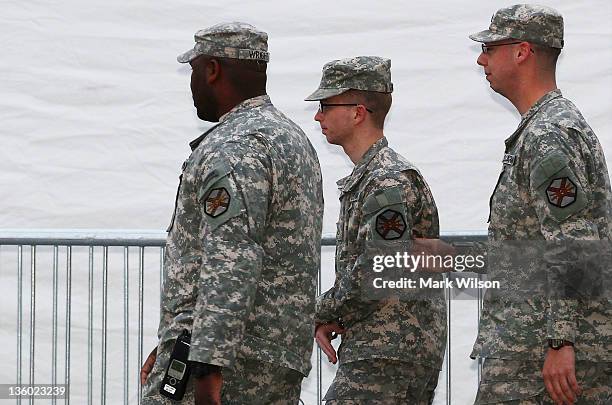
x=383, y=198
x=495, y=392
x=546, y=168
x=219, y=171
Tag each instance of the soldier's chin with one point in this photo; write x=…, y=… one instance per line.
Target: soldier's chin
x=207, y=115
x=331, y=141
x=493, y=87
x=498, y=91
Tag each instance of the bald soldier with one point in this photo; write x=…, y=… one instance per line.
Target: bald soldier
x=243, y=248
x=392, y=349
x=554, y=187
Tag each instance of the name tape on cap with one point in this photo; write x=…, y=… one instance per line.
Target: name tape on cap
x=253, y=54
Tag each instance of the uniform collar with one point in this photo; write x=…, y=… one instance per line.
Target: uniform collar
x=243, y=106
x=246, y=105
x=347, y=183
x=196, y=142
x=551, y=95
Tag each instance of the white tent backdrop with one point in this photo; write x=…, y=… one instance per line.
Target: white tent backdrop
x=97, y=114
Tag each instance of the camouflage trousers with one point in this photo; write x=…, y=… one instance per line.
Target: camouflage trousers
x=250, y=382
x=382, y=382
x=519, y=382
x=260, y=383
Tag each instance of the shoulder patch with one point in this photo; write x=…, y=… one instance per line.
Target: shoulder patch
x=217, y=202
x=219, y=199
x=390, y=224
x=561, y=192
x=559, y=189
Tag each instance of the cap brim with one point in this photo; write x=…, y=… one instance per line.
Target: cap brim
x=322, y=94
x=187, y=56
x=487, y=36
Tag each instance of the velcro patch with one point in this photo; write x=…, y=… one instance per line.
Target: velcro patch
x=509, y=159
x=217, y=202
x=390, y=196
x=253, y=54
x=547, y=168
x=390, y=224
x=561, y=192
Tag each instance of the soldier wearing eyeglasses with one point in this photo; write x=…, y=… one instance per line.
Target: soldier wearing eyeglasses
x=554, y=187
x=392, y=349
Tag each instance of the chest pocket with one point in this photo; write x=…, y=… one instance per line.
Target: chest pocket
x=509, y=161
x=347, y=226
x=353, y=213
x=219, y=196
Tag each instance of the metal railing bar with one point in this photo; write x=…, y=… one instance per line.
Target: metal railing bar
x=19, y=314
x=54, y=332
x=448, y=294
x=140, y=311
x=104, y=320
x=161, y=270
x=32, y=315
x=146, y=238
x=68, y=318
x=479, y=305
x=93, y=237
x=90, y=329
x=126, y=325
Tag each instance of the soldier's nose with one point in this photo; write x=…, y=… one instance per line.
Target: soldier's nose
x=482, y=59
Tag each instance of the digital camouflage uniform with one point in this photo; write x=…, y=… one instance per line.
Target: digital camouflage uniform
x=243, y=249
x=554, y=187
x=393, y=349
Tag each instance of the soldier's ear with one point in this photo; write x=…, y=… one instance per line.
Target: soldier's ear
x=523, y=52
x=360, y=113
x=213, y=70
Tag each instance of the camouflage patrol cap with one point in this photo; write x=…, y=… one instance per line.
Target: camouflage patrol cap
x=532, y=23
x=368, y=73
x=235, y=40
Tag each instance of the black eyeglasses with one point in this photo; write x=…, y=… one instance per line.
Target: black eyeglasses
x=485, y=48
x=323, y=106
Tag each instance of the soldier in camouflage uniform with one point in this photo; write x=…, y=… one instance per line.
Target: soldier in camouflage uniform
x=554, y=186
x=243, y=248
x=391, y=350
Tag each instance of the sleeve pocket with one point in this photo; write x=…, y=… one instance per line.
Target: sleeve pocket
x=547, y=168
x=495, y=392
x=213, y=176
x=383, y=198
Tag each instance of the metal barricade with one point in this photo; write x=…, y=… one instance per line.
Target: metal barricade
x=108, y=259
